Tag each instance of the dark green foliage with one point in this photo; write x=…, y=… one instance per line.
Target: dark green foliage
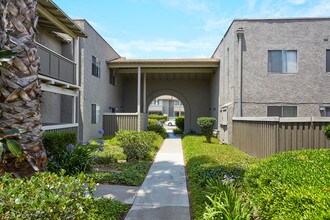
x=206, y=124
x=161, y=118
x=46, y=195
x=158, y=129
x=152, y=122
x=291, y=185
x=51, y=196
x=56, y=142
x=73, y=161
x=112, y=151
x=131, y=174
x=326, y=130
x=138, y=145
x=8, y=144
x=177, y=131
x=179, y=123
x=209, y=161
x=224, y=201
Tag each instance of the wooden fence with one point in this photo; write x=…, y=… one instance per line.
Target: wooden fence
x=262, y=137
x=113, y=122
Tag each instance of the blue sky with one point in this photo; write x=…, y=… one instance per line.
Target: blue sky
x=178, y=28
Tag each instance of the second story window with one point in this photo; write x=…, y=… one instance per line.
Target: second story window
x=96, y=67
x=282, y=61
x=328, y=61
x=112, y=76
x=282, y=111
x=95, y=114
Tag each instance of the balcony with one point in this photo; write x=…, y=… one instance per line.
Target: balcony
x=56, y=66
x=155, y=108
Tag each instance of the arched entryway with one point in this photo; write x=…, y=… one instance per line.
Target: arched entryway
x=178, y=95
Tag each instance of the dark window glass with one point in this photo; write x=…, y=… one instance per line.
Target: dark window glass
x=328, y=61
x=93, y=113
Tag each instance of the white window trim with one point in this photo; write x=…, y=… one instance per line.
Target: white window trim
x=59, y=126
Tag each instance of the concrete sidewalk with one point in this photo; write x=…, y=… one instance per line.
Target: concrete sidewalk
x=163, y=194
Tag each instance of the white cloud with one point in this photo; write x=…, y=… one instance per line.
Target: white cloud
x=188, y=5
x=251, y=4
x=297, y=2
x=319, y=9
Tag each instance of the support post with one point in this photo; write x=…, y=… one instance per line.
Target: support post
x=139, y=98
x=240, y=34
x=145, y=93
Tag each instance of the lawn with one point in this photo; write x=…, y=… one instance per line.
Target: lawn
x=205, y=161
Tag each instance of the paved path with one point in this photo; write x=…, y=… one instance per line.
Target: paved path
x=163, y=194
x=125, y=194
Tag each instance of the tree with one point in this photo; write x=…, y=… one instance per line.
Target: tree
x=20, y=91
x=206, y=124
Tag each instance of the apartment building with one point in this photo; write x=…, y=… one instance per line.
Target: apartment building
x=273, y=67
x=166, y=105
x=58, y=47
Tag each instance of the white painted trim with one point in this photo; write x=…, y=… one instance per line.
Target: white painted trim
x=226, y=105
x=60, y=126
x=144, y=93
x=280, y=119
x=59, y=90
x=74, y=112
x=76, y=59
x=139, y=97
x=121, y=114
x=256, y=119
x=49, y=80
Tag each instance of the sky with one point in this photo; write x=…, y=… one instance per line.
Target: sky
x=178, y=28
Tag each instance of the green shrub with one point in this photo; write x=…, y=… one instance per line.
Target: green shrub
x=179, y=123
x=291, y=185
x=224, y=201
x=152, y=122
x=161, y=118
x=109, y=209
x=158, y=129
x=326, y=130
x=112, y=151
x=206, y=124
x=177, y=131
x=74, y=160
x=46, y=196
x=56, y=142
x=137, y=145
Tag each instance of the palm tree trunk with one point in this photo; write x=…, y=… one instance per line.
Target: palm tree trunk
x=20, y=91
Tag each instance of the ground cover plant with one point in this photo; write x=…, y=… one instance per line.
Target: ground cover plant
x=291, y=185
x=51, y=196
x=205, y=162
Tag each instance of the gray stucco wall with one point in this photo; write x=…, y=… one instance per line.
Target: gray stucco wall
x=96, y=90
x=308, y=89
x=49, y=40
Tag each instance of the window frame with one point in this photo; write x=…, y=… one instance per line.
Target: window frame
x=282, y=110
x=284, y=62
x=96, y=67
x=112, y=77
x=95, y=117
x=327, y=65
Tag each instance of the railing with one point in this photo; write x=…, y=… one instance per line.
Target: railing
x=113, y=122
x=61, y=127
x=262, y=137
x=56, y=66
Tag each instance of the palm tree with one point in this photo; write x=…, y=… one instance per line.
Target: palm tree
x=20, y=91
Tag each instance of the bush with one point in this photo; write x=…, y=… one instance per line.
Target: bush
x=161, y=118
x=206, y=124
x=46, y=195
x=112, y=151
x=158, y=129
x=152, y=122
x=177, y=131
x=56, y=142
x=74, y=160
x=109, y=209
x=224, y=201
x=179, y=123
x=137, y=145
x=326, y=130
x=291, y=185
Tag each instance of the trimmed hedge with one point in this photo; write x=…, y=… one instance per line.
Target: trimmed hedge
x=56, y=142
x=161, y=118
x=291, y=185
x=179, y=123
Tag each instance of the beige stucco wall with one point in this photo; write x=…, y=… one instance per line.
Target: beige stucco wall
x=96, y=90
x=308, y=89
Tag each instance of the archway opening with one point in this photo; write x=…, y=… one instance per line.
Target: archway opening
x=165, y=109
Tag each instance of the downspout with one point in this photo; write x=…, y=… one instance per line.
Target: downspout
x=240, y=35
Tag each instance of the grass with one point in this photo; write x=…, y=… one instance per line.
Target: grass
x=127, y=173
x=206, y=161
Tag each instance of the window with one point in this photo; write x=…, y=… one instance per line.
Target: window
x=328, y=61
x=112, y=110
x=176, y=102
x=112, y=76
x=325, y=111
x=282, y=111
x=282, y=61
x=96, y=67
x=95, y=114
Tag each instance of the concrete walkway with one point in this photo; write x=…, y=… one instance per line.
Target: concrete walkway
x=163, y=194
